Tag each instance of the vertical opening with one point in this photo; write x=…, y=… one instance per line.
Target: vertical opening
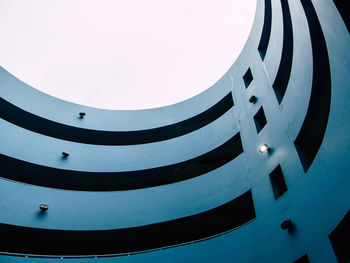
x=248, y=78
x=278, y=183
x=265, y=36
x=344, y=10
x=340, y=240
x=260, y=120
x=284, y=70
x=303, y=259
x=311, y=134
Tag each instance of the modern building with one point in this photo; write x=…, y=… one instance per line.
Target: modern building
x=254, y=169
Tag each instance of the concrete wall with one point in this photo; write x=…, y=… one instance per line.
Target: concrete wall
x=307, y=130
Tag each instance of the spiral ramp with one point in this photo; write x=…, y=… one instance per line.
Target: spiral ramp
x=187, y=182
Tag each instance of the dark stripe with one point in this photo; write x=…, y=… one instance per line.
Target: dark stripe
x=25, y=240
x=284, y=70
x=29, y=121
x=35, y=174
x=340, y=240
x=344, y=10
x=265, y=35
x=311, y=134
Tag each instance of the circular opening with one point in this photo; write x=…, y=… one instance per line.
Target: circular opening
x=122, y=54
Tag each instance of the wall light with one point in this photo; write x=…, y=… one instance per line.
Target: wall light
x=287, y=224
x=264, y=148
x=43, y=207
x=65, y=154
x=252, y=99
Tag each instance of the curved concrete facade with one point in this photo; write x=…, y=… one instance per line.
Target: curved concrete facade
x=187, y=183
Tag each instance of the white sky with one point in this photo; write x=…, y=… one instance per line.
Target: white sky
x=122, y=54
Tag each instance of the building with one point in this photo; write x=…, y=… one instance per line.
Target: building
x=191, y=182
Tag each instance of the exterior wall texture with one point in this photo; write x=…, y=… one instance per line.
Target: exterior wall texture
x=186, y=182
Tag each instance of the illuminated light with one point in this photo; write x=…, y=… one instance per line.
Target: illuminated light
x=43, y=207
x=264, y=148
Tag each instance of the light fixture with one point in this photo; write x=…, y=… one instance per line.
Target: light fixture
x=287, y=224
x=65, y=154
x=252, y=99
x=43, y=207
x=264, y=148
x=81, y=115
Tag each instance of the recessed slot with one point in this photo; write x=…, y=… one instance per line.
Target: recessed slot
x=340, y=240
x=310, y=136
x=36, y=174
x=303, y=259
x=278, y=183
x=344, y=10
x=248, y=78
x=178, y=231
x=265, y=35
x=284, y=70
x=260, y=120
x=29, y=121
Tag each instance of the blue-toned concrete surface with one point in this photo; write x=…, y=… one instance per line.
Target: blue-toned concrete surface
x=316, y=200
